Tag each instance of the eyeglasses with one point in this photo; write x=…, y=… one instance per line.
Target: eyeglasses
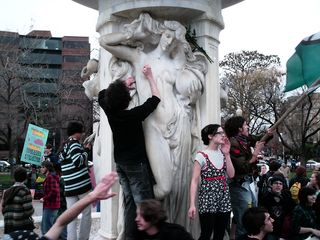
x=220, y=133
x=278, y=183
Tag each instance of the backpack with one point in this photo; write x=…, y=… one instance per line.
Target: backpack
x=295, y=188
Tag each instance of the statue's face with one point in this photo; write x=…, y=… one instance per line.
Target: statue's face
x=167, y=41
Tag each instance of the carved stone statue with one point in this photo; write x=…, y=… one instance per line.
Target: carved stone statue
x=172, y=131
x=92, y=86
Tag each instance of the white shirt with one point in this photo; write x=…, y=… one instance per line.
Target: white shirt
x=216, y=157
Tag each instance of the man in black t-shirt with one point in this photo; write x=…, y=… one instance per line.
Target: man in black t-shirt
x=130, y=155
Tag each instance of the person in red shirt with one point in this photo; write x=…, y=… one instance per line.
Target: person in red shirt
x=51, y=198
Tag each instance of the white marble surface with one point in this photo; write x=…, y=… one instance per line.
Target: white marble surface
x=202, y=15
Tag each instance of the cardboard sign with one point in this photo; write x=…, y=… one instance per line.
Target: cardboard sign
x=34, y=145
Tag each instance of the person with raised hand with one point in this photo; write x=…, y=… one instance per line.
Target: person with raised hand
x=100, y=192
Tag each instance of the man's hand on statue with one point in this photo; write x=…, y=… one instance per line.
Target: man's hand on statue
x=192, y=212
x=101, y=191
x=147, y=72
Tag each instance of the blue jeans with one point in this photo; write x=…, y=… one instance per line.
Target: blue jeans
x=48, y=218
x=241, y=199
x=136, y=183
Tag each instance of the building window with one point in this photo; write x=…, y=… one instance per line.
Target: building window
x=82, y=59
x=40, y=58
x=76, y=44
x=40, y=43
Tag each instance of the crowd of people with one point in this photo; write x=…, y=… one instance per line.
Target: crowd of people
x=226, y=166
x=225, y=179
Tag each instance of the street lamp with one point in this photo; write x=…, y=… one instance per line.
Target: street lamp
x=54, y=140
x=281, y=139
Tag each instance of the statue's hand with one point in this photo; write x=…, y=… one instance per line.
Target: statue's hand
x=195, y=86
x=136, y=30
x=139, y=35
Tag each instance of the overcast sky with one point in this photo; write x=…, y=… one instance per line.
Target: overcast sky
x=268, y=26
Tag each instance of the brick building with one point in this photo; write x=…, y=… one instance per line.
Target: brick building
x=41, y=84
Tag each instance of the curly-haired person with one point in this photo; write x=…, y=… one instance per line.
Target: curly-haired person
x=132, y=163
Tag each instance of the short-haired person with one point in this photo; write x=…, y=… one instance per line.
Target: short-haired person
x=304, y=219
x=279, y=204
x=213, y=166
x=244, y=162
x=17, y=206
x=74, y=166
x=51, y=197
x=151, y=222
x=101, y=192
x=130, y=155
x=264, y=181
x=257, y=222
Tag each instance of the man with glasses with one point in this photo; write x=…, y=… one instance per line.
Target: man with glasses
x=279, y=204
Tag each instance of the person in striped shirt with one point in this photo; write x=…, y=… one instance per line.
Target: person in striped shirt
x=74, y=166
x=17, y=208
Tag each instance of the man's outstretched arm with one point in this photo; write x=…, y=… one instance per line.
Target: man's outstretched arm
x=100, y=192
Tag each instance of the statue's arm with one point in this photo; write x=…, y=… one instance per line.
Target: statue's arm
x=112, y=42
